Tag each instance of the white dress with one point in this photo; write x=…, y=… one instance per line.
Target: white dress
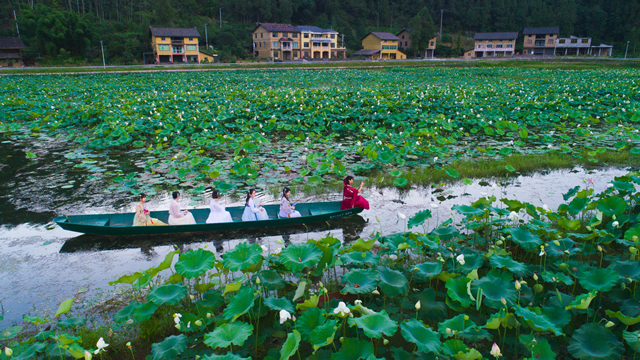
x=177, y=217
x=286, y=211
x=218, y=213
x=253, y=213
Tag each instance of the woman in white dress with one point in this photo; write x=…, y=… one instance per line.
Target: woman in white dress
x=286, y=210
x=218, y=213
x=251, y=211
x=176, y=216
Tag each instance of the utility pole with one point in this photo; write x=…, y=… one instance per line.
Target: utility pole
x=220, y=18
x=378, y=23
x=625, y=52
x=15, y=17
x=343, y=40
x=104, y=64
x=206, y=35
x=441, y=11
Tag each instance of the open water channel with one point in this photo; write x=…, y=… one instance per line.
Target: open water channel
x=41, y=266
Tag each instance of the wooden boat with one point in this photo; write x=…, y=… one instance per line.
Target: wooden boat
x=122, y=223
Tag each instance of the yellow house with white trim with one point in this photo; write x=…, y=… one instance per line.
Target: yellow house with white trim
x=380, y=45
x=175, y=45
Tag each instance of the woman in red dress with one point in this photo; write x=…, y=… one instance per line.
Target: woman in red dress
x=350, y=197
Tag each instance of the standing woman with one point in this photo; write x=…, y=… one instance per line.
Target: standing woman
x=251, y=211
x=142, y=217
x=176, y=216
x=286, y=210
x=218, y=213
x=350, y=197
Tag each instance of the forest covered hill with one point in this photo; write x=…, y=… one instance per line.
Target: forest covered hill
x=70, y=31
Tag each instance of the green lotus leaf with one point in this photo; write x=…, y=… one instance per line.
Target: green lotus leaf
x=592, y=341
x=627, y=320
x=612, y=205
x=354, y=349
x=632, y=339
x=143, y=312
x=242, y=257
x=428, y=269
x=467, y=210
x=235, y=333
x=362, y=245
x=224, y=187
x=72, y=322
x=539, y=347
x=623, y=186
x=30, y=352
x=167, y=294
x=453, y=347
x=211, y=300
x=458, y=324
x=299, y=256
x=239, y=304
x=582, y=301
x=392, y=282
x=10, y=332
x=524, y=238
x=570, y=225
x=170, y=348
x=598, y=279
x=360, y=258
x=419, y=218
x=626, y=269
x=227, y=356
x=537, y=322
x=324, y=334
x=552, y=277
x=471, y=262
x=126, y=313
x=400, y=182
x=426, y=339
x=498, y=261
x=476, y=334
x=458, y=290
x=557, y=315
x=577, y=205
x=311, y=302
x=35, y=320
x=194, y=263
x=165, y=264
x=64, y=307
x=445, y=233
x=395, y=173
x=360, y=281
x=309, y=320
x=632, y=235
x=513, y=205
x=375, y=325
x=271, y=280
x=559, y=250
x=495, y=289
x=290, y=346
x=453, y=173
x=279, y=304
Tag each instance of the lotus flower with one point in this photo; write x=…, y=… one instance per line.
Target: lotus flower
x=545, y=208
x=513, y=216
x=418, y=306
x=495, y=351
x=615, y=224
x=460, y=259
x=402, y=216
x=176, y=318
x=100, y=346
x=87, y=355
x=8, y=351
x=435, y=206
x=284, y=316
x=342, y=309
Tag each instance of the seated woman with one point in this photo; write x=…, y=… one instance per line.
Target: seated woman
x=218, y=213
x=350, y=197
x=251, y=211
x=176, y=216
x=286, y=210
x=142, y=217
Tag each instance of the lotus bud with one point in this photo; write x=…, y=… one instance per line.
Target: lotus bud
x=377, y=219
x=495, y=351
x=635, y=238
x=503, y=301
x=448, y=331
x=177, y=326
x=499, y=242
x=320, y=284
x=341, y=338
x=8, y=351
x=87, y=355
x=522, y=282
x=209, y=315
x=385, y=342
x=609, y=324
x=556, y=242
x=466, y=318
x=129, y=344
x=613, y=217
x=350, y=315
x=375, y=292
x=257, y=281
x=518, y=286
x=588, y=227
x=198, y=322
x=535, y=277
x=192, y=297
x=538, y=288
x=599, y=248
x=324, y=290
x=279, y=241
x=615, y=224
x=633, y=250
x=418, y=305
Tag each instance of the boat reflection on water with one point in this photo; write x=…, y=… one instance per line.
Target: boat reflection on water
x=351, y=227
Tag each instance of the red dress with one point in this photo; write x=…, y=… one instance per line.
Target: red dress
x=351, y=199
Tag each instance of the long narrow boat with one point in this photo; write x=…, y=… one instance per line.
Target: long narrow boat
x=122, y=223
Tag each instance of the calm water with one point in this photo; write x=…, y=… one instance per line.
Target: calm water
x=39, y=268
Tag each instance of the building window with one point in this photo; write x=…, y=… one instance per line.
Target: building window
x=285, y=34
x=295, y=44
x=509, y=46
x=585, y=41
x=316, y=44
x=333, y=36
x=295, y=54
x=333, y=45
x=306, y=44
x=275, y=54
x=489, y=41
x=406, y=43
x=275, y=44
x=274, y=34
x=306, y=35
x=162, y=38
x=562, y=41
x=190, y=39
x=432, y=43
x=402, y=36
x=294, y=35
x=529, y=41
x=306, y=54
x=177, y=50
x=255, y=36
x=550, y=41
x=261, y=35
x=255, y=45
x=479, y=46
x=393, y=47
x=499, y=46
x=574, y=41
x=192, y=48
x=489, y=46
x=385, y=47
x=164, y=48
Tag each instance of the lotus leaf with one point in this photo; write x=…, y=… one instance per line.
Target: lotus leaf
x=239, y=304
x=445, y=233
x=627, y=269
x=362, y=245
x=296, y=257
x=507, y=262
x=632, y=339
x=279, y=304
x=360, y=281
x=126, y=313
x=211, y=299
x=419, y=218
x=457, y=324
x=592, y=341
x=628, y=321
x=458, y=290
x=195, y=263
x=598, y=279
x=270, y=279
x=453, y=347
x=539, y=347
x=536, y=321
x=359, y=258
x=170, y=348
x=10, y=332
x=230, y=333
x=227, y=356
x=468, y=211
x=243, y=257
x=309, y=320
x=143, y=312
x=400, y=182
x=375, y=325
x=612, y=205
x=392, y=282
x=428, y=269
x=354, y=349
x=167, y=294
x=324, y=334
x=426, y=339
x=290, y=346
x=495, y=289
x=582, y=301
x=524, y=238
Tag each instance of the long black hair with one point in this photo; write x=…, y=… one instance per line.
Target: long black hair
x=141, y=196
x=246, y=202
x=284, y=193
x=175, y=194
x=214, y=194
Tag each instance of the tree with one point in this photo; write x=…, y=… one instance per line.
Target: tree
x=422, y=31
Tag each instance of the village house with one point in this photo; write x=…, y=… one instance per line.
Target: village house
x=404, y=44
x=320, y=43
x=177, y=45
x=498, y=44
x=380, y=45
x=277, y=41
x=10, y=52
x=574, y=45
x=540, y=41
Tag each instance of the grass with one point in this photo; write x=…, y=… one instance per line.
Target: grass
x=549, y=64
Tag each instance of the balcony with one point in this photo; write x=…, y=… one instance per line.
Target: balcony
x=539, y=43
x=286, y=47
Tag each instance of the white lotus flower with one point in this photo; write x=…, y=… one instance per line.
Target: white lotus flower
x=460, y=259
x=495, y=351
x=264, y=248
x=615, y=224
x=513, y=216
x=277, y=251
x=342, y=309
x=418, y=306
x=545, y=208
x=609, y=185
x=402, y=216
x=358, y=302
x=176, y=318
x=393, y=257
x=284, y=316
x=100, y=346
x=434, y=205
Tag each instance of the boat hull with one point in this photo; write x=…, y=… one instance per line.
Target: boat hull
x=122, y=223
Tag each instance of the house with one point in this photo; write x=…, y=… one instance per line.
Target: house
x=10, y=55
x=602, y=50
x=320, y=43
x=497, y=44
x=404, y=44
x=175, y=45
x=380, y=45
x=540, y=41
x=574, y=45
x=277, y=41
